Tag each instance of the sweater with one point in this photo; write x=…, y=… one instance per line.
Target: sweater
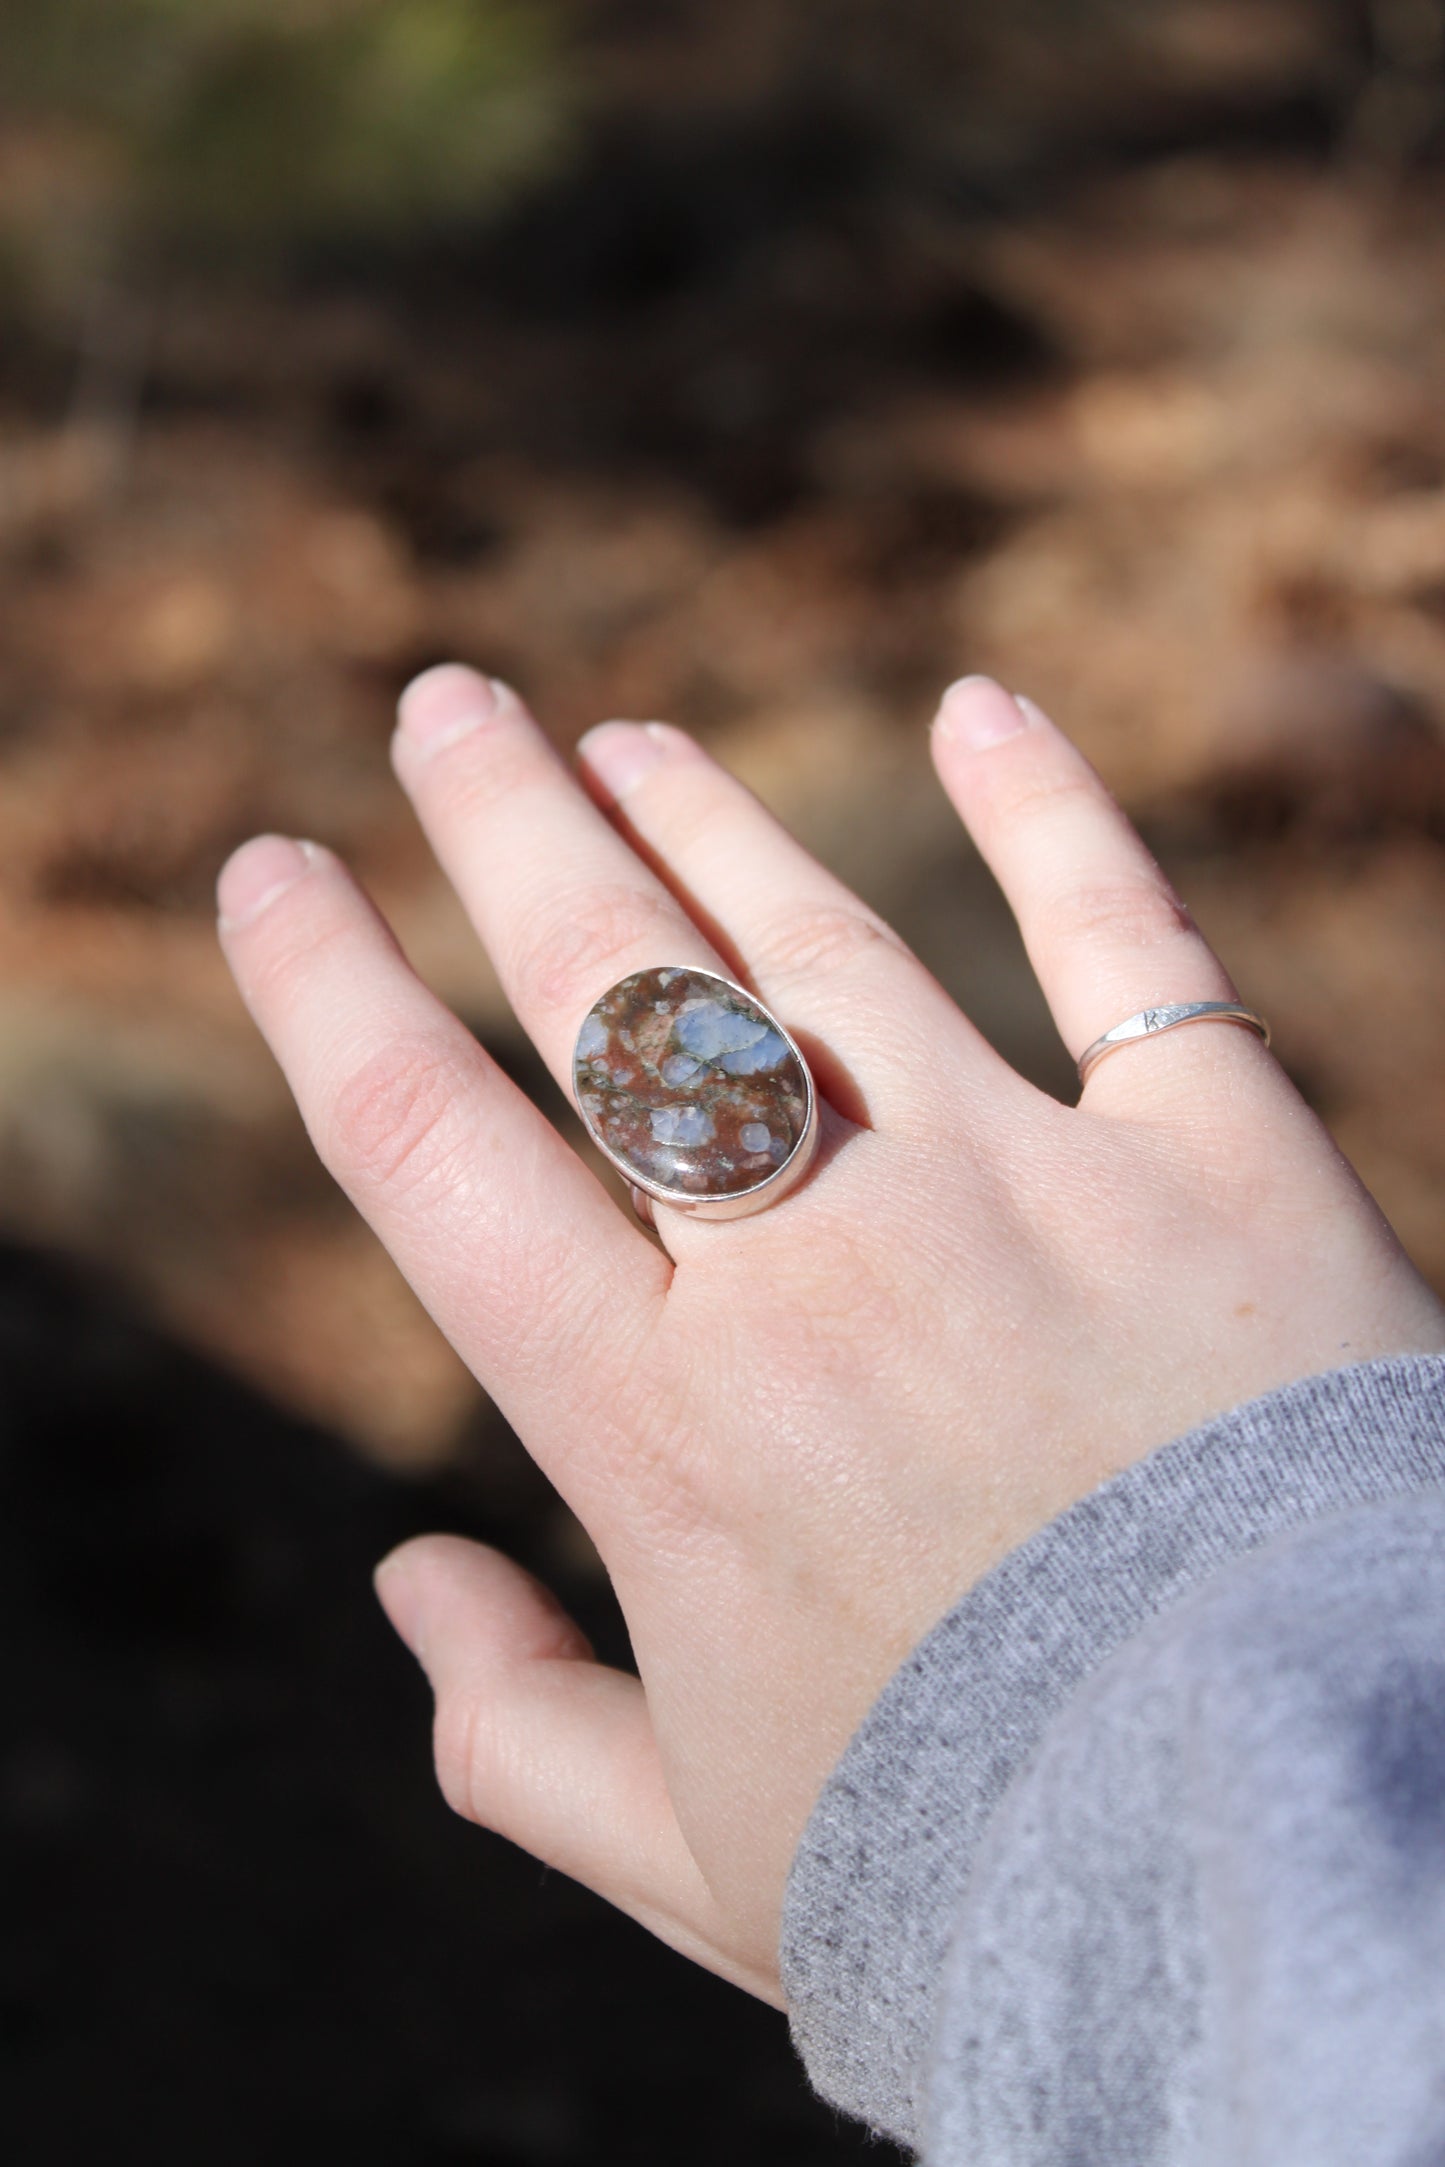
x=1139, y=1859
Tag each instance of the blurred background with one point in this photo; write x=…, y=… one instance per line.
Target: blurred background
x=762, y=367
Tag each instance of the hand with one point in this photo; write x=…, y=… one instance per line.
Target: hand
x=797, y=1438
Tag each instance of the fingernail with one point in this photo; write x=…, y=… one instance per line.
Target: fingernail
x=255, y=875
x=978, y=713
x=445, y=704
x=397, y=1595
x=620, y=753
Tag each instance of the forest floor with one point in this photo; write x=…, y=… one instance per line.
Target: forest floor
x=1171, y=457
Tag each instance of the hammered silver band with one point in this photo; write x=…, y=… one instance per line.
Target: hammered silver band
x=1149, y=1022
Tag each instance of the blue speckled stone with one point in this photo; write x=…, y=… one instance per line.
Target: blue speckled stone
x=687, y=1082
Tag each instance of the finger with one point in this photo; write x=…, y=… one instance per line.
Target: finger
x=1104, y=930
x=538, y=1741
x=562, y=906
x=544, y=1287
x=810, y=946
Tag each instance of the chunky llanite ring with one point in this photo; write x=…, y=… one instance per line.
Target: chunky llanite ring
x=695, y=1092
x=1149, y=1022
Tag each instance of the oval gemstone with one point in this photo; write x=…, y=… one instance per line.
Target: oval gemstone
x=688, y=1083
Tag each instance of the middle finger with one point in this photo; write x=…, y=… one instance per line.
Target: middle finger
x=811, y=946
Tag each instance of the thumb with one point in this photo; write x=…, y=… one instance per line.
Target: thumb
x=539, y=1741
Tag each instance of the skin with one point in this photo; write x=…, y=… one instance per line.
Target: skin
x=798, y=1438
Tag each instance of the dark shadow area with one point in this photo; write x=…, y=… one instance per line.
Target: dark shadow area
x=241, y=1925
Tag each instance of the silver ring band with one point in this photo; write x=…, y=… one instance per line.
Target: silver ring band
x=1149, y=1022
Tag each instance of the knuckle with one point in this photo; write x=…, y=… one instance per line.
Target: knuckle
x=566, y=960
x=851, y=1304
x=821, y=940
x=457, y=1747
x=1128, y=913
x=395, y=1123
x=1039, y=795
x=282, y=972
x=485, y=770
x=688, y=787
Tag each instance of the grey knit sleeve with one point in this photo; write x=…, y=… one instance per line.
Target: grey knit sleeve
x=1040, y=1913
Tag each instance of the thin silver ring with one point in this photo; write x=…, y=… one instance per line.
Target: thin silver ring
x=1150, y=1022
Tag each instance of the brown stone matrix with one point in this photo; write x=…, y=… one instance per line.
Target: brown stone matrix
x=689, y=1083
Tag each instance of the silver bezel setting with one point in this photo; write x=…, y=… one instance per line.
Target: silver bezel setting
x=741, y=1203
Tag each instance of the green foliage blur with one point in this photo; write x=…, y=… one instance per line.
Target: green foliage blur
x=244, y=127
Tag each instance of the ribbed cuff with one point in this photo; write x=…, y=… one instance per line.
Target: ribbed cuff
x=880, y=1872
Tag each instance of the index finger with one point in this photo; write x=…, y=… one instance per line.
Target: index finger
x=544, y=1287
